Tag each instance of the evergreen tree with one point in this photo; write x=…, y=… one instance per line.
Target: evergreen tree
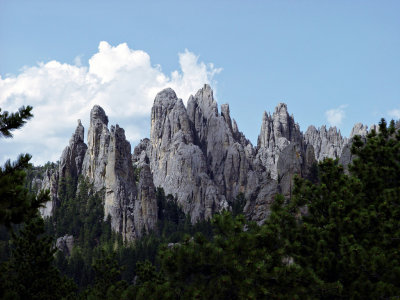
x=108, y=283
x=30, y=273
x=16, y=205
x=349, y=233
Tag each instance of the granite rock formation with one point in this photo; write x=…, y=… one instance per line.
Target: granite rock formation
x=327, y=143
x=73, y=155
x=277, y=132
x=198, y=155
x=177, y=164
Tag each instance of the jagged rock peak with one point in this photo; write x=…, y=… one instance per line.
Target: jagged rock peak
x=95, y=160
x=97, y=114
x=326, y=143
x=79, y=135
x=168, y=117
x=277, y=132
x=359, y=129
x=225, y=113
x=72, y=157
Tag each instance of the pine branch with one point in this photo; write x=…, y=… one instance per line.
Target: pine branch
x=9, y=122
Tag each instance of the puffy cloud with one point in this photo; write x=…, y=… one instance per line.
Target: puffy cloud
x=394, y=113
x=335, y=116
x=123, y=81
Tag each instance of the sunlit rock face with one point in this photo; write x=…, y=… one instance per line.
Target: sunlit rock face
x=108, y=165
x=277, y=132
x=178, y=165
x=197, y=154
x=327, y=143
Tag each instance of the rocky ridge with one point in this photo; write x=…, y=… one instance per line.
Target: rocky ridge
x=198, y=155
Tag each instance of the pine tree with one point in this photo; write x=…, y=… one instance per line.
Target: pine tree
x=30, y=273
x=16, y=205
x=348, y=230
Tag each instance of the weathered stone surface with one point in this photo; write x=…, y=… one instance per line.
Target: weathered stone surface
x=95, y=160
x=73, y=155
x=259, y=209
x=146, y=210
x=327, y=143
x=277, y=132
x=142, y=152
x=359, y=129
x=65, y=244
x=199, y=156
x=223, y=145
x=290, y=163
x=49, y=182
x=177, y=164
x=108, y=164
x=120, y=185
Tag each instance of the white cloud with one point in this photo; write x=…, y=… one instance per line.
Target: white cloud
x=121, y=80
x=394, y=113
x=335, y=116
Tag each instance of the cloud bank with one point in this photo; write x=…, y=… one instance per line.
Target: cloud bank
x=335, y=116
x=121, y=80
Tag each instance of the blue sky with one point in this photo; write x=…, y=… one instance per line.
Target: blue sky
x=332, y=62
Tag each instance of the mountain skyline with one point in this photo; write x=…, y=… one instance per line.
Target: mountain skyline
x=332, y=63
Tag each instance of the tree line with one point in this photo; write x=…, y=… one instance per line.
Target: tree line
x=337, y=237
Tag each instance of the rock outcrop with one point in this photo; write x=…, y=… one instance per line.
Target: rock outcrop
x=119, y=183
x=227, y=152
x=73, y=155
x=198, y=155
x=65, y=244
x=95, y=160
x=49, y=182
x=326, y=143
x=277, y=132
x=177, y=164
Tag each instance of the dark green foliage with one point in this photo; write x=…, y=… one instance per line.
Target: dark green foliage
x=108, y=283
x=350, y=235
x=9, y=122
x=81, y=214
x=238, y=204
x=243, y=261
x=16, y=203
x=338, y=238
x=30, y=274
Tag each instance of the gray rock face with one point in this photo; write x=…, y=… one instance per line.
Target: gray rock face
x=108, y=164
x=259, y=209
x=49, y=182
x=73, y=155
x=277, y=132
x=120, y=185
x=326, y=143
x=359, y=129
x=142, y=152
x=65, y=244
x=95, y=160
x=198, y=155
x=292, y=161
x=177, y=164
x=223, y=145
x=146, y=210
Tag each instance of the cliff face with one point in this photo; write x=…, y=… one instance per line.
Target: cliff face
x=178, y=165
x=198, y=155
x=277, y=132
x=326, y=143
